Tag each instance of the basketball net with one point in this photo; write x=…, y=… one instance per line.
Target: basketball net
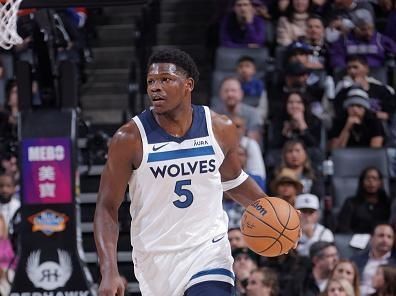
x=8, y=23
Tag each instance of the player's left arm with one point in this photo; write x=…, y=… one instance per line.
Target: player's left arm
x=231, y=169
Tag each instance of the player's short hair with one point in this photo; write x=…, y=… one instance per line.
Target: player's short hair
x=178, y=57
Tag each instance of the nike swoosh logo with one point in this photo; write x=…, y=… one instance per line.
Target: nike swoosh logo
x=216, y=240
x=159, y=147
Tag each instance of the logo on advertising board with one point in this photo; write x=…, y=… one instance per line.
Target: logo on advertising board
x=48, y=222
x=46, y=171
x=49, y=275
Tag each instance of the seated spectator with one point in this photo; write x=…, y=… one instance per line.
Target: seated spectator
x=300, y=51
x=315, y=38
x=362, y=40
x=370, y=205
x=9, y=204
x=389, y=9
x=253, y=87
x=235, y=238
x=251, y=156
x=242, y=27
x=384, y=280
x=347, y=269
x=262, y=282
x=245, y=261
x=287, y=266
x=340, y=15
x=296, y=158
x=339, y=287
x=312, y=230
x=286, y=186
x=324, y=257
x=7, y=259
x=231, y=97
x=358, y=126
x=293, y=26
x=295, y=122
x=379, y=252
x=381, y=97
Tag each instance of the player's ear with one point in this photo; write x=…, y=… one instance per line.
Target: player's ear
x=190, y=84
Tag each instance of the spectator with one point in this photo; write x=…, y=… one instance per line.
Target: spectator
x=324, y=257
x=287, y=266
x=296, y=158
x=231, y=97
x=245, y=261
x=259, y=179
x=286, y=186
x=363, y=40
x=384, y=280
x=340, y=15
x=253, y=87
x=293, y=26
x=254, y=158
x=389, y=8
x=262, y=282
x=7, y=259
x=9, y=204
x=368, y=207
x=347, y=269
x=312, y=230
x=242, y=27
x=300, y=51
x=339, y=287
x=235, y=238
x=381, y=97
x=379, y=253
x=358, y=126
x=295, y=122
x=315, y=38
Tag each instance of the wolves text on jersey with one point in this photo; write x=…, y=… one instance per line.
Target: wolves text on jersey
x=185, y=168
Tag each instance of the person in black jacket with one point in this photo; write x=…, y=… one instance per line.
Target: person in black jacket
x=370, y=205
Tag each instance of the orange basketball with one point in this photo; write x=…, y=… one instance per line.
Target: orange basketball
x=270, y=226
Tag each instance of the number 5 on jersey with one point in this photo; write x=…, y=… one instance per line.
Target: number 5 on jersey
x=183, y=203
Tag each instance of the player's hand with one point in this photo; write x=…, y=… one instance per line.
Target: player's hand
x=112, y=285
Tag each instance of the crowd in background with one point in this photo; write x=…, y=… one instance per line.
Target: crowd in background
x=331, y=87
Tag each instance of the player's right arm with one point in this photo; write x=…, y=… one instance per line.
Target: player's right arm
x=124, y=155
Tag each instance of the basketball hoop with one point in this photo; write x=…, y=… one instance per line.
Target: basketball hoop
x=8, y=23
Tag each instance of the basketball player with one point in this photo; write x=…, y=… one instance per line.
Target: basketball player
x=178, y=159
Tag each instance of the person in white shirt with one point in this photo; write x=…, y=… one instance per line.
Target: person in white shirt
x=379, y=253
x=312, y=231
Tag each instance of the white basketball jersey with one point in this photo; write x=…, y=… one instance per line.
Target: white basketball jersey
x=176, y=193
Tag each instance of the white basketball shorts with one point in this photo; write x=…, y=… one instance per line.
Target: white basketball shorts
x=171, y=273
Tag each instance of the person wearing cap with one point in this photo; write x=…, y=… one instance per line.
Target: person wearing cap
x=324, y=257
x=363, y=40
x=245, y=261
x=357, y=126
x=312, y=230
x=382, y=97
x=286, y=185
x=300, y=51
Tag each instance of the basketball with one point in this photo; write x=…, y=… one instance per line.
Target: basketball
x=270, y=226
